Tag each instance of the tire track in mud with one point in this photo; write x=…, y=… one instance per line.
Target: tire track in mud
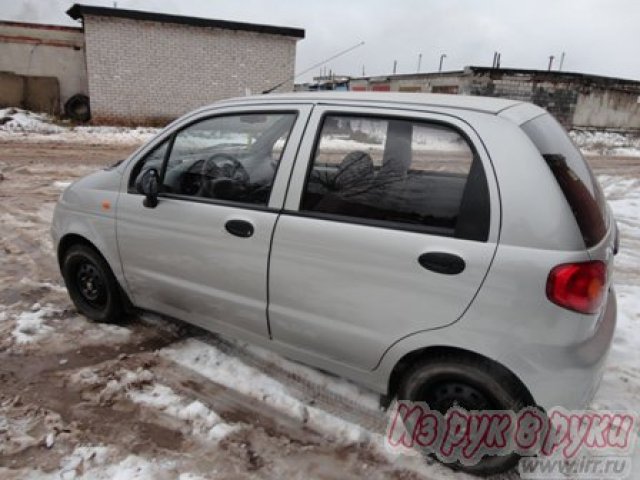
x=304, y=389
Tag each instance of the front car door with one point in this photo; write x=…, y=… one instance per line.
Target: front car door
x=201, y=254
x=389, y=228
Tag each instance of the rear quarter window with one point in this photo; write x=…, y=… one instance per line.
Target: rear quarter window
x=574, y=176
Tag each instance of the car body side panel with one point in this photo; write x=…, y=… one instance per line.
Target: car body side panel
x=87, y=208
x=194, y=269
x=347, y=291
x=535, y=213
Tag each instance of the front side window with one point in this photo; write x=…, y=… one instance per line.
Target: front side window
x=232, y=158
x=153, y=160
x=420, y=175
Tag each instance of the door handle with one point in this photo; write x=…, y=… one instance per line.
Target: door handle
x=441, y=262
x=239, y=228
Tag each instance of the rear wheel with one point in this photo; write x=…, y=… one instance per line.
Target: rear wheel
x=470, y=383
x=92, y=286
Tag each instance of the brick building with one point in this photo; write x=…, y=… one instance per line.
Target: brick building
x=150, y=68
x=577, y=100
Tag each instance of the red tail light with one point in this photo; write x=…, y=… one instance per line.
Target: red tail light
x=578, y=286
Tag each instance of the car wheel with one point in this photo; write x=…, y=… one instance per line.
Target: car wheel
x=470, y=383
x=92, y=286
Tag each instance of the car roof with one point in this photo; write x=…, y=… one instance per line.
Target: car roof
x=490, y=105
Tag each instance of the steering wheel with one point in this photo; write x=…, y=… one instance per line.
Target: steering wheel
x=221, y=167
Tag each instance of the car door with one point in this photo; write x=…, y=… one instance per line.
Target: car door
x=201, y=254
x=389, y=228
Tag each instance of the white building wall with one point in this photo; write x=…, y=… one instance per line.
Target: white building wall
x=45, y=51
x=145, y=71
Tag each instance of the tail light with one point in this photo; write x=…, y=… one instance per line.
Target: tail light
x=578, y=286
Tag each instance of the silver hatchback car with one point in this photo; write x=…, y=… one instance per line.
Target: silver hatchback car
x=442, y=248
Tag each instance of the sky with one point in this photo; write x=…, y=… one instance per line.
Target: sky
x=598, y=36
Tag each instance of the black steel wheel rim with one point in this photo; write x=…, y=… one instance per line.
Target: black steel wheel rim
x=91, y=285
x=443, y=395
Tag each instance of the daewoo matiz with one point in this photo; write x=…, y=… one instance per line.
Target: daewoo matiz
x=450, y=249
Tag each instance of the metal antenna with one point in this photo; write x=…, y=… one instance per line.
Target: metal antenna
x=333, y=57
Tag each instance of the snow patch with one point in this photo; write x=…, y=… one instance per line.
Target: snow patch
x=236, y=375
x=16, y=120
x=61, y=185
x=606, y=143
x=202, y=421
x=30, y=326
x=101, y=463
x=24, y=126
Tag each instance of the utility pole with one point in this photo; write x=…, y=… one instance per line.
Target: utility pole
x=419, y=61
x=561, y=62
x=442, y=57
x=551, y=57
x=395, y=66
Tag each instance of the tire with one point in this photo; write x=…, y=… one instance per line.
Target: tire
x=472, y=383
x=78, y=108
x=91, y=284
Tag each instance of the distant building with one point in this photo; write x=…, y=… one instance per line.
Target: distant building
x=328, y=82
x=41, y=66
x=141, y=67
x=577, y=100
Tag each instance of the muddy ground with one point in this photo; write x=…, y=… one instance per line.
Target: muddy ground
x=66, y=382
x=38, y=391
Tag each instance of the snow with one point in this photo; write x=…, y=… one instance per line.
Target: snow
x=30, y=326
x=25, y=126
x=16, y=120
x=620, y=388
x=594, y=142
x=324, y=381
x=202, y=420
x=97, y=463
x=141, y=388
x=61, y=185
x=232, y=373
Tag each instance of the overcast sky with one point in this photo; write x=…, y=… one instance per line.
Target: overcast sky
x=598, y=36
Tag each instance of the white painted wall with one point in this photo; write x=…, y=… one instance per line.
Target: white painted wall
x=51, y=52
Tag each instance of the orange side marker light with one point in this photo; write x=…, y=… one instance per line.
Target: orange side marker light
x=106, y=205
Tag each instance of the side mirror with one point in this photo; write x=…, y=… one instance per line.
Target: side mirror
x=147, y=185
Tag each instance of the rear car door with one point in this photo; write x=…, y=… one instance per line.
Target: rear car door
x=201, y=254
x=390, y=225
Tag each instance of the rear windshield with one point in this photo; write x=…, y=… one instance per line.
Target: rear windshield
x=580, y=187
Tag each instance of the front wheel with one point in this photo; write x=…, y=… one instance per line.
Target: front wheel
x=92, y=286
x=470, y=383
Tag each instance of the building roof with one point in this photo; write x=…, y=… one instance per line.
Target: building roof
x=465, y=102
x=78, y=11
x=39, y=26
x=552, y=75
x=39, y=34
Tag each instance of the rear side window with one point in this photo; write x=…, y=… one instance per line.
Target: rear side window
x=412, y=175
x=580, y=187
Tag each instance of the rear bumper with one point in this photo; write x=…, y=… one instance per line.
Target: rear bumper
x=569, y=376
